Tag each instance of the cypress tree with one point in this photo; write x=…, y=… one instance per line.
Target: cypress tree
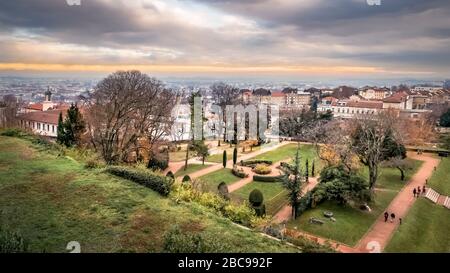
x=313, y=169
x=60, y=133
x=307, y=171
x=235, y=153
x=224, y=159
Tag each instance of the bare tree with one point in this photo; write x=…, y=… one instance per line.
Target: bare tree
x=368, y=140
x=125, y=108
x=223, y=95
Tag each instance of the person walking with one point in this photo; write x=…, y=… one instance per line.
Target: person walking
x=418, y=191
x=400, y=220
x=386, y=216
x=423, y=190
x=392, y=217
x=414, y=192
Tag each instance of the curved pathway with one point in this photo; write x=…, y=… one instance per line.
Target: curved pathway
x=381, y=232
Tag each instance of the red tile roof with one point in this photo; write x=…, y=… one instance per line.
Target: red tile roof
x=35, y=106
x=44, y=116
x=278, y=94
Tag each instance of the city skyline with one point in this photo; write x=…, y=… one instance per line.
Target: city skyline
x=267, y=38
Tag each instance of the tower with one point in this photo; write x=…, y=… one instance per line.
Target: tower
x=48, y=95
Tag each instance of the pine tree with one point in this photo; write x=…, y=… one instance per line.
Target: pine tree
x=224, y=159
x=60, y=133
x=294, y=185
x=74, y=126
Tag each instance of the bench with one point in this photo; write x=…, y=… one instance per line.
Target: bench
x=313, y=220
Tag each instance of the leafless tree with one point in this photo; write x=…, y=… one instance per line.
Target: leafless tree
x=223, y=95
x=126, y=108
x=368, y=138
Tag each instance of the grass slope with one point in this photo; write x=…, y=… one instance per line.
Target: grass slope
x=425, y=229
x=53, y=200
x=440, y=181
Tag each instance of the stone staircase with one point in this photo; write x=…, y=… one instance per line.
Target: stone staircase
x=432, y=195
x=447, y=202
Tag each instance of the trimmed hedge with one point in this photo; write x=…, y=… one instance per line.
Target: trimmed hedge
x=254, y=162
x=269, y=179
x=160, y=184
x=239, y=173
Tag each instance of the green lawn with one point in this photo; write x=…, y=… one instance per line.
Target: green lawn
x=288, y=151
x=213, y=179
x=440, y=181
x=425, y=229
x=274, y=195
x=389, y=178
x=190, y=169
x=351, y=223
x=218, y=158
x=52, y=200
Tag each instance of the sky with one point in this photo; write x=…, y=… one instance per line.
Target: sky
x=304, y=38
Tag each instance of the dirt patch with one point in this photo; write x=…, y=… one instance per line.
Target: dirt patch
x=192, y=226
x=145, y=232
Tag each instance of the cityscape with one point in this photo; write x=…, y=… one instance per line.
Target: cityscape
x=270, y=126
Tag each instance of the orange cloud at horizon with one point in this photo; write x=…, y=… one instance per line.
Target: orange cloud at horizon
x=191, y=68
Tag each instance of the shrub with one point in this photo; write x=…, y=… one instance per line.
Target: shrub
x=223, y=191
x=93, y=164
x=262, y=169
x=157, y=164
x=12, y=242
x=241, y=214
x=12, y=132
x=309, y=246
x=252, y=163
x=256, y=197
x=170, y=175
x=272, y=179
x=176, y=241
x=211, y=200
x=186, y=179
x=158, y=183
x=239, y=172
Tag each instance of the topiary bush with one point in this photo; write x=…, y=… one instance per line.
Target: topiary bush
x=262, y=169
x=158, y=183
x=252, y=163
x=256, y=200
x=269, y=179
x=186, y=179
x=256, y=197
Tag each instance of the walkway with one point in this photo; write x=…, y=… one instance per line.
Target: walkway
x=286, y=212
x=381, y=232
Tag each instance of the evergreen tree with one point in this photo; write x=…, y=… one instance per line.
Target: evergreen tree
x=294, y=185
x=224, y=159
x=313, y=169
x=235, y=154
x=307, y=171
x=74, y=126
x=60, y=133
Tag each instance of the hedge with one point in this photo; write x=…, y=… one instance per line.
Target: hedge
x=254, y=162
x=271, y=179
x=239, y=173
x=160, y=184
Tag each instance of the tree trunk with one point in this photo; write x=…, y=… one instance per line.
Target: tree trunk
x=373, y=174
x=187, y=157
x=402, y=173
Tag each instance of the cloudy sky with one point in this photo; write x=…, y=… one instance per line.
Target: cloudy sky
x=194, y=37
